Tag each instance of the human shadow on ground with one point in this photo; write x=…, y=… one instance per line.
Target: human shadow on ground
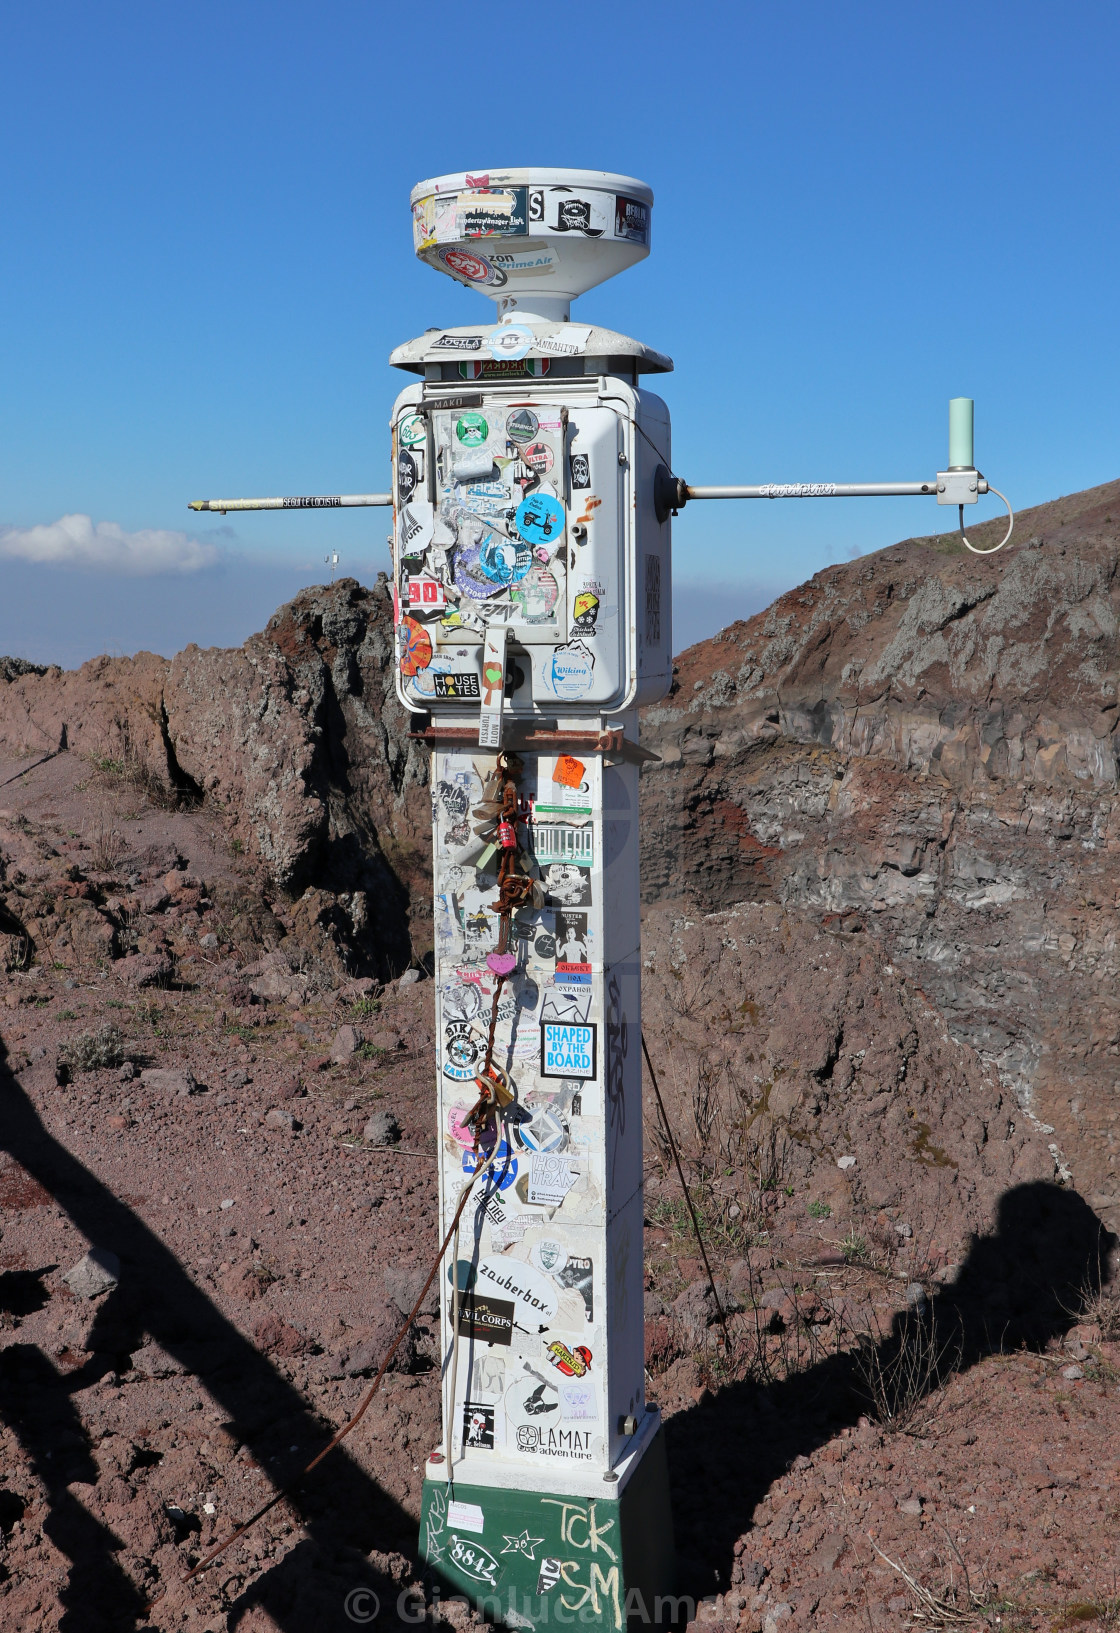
x=1019, y=1287
x=344, y=1513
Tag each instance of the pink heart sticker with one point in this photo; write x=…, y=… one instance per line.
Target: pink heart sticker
x=501, y=963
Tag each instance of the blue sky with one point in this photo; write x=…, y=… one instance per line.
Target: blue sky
x=860, y=212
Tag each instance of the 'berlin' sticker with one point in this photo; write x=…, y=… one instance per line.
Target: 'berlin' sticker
x=568, y=1050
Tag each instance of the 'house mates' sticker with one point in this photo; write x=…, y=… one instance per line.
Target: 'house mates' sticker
x=568, y=1049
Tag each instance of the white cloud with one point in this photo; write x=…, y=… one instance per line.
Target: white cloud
x=76, y=541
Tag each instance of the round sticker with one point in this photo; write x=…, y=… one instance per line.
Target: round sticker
x=457, y=1126
x=540, y=519
x=545, y=946
x=461, y=1001
x=472, y=430
x=522, y=424
x=548, y=1256
x=538, y=457
x=411, y=432
x=406, y=474
x=504, y=1171
x=475, y=269
x=536, y=595
x=502, y=561
x=416, y=646
x=510, y=340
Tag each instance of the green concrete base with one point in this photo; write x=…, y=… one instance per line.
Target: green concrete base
x=543, y=1559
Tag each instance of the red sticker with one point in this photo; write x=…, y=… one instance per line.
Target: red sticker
x=426, y=592
x=538, y=457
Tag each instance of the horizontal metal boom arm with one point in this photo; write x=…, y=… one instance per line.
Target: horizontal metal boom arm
x=329, y=501
x=818, y=490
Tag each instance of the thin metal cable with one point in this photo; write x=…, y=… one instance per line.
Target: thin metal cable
x=1006, y=536
x=688, y=1199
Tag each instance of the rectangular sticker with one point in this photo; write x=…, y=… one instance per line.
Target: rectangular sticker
x=567, y=770
x=550, y=1178
x=565, y=1006
x=478, y=1427
x=465, y=1517
x=568, y=1050
x=456, y=685
x=426, y=592
x=490, y=1319
x=563, y=842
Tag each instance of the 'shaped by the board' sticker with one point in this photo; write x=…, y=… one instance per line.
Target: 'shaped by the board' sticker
x=568, y=1049
x=415, y=646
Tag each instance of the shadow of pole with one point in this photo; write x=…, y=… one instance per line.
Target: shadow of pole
x=1019, y=1288
x=344, y=1512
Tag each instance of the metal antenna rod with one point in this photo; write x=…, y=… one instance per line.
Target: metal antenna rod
x=329, y=501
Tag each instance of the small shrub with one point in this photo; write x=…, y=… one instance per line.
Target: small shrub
x=365, y=1009
x=370, y=1051
x=94, y=1051
x=854, y=1248
x=819, y=1210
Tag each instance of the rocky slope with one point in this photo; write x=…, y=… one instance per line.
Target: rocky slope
x=924, y=743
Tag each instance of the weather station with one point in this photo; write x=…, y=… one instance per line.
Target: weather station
x=532, y=496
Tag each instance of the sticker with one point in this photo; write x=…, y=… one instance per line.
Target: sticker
x=585, y=612
x=478, y=1427
x=522, y=424
x=415, y=646
x=563, y=842
x=488, y=1377
x=456, y=685
x=457, y=1126
x=474, y=269
x=532, y=1398
x=578, y=1402
x=491, y=212
x=571, y=943
x=569, y=771
x=566, y=342
x=406, y=474
x=510, y=340
x=473, y=1560
x=461, y=1000
x=569, y=1008
x=465, y=1517
x=471, y=430
x=536, y=595
x=573, y=1363
x=540, y=519
x=566, y=883
x=504, y=1171
x=548, y=1256
x=426, y=593
x=555, y=1442
x=490, y=1319
x=550, y=1573
x=538, y=457
x=462, y=1052
x=567, y=1051
x=527, y=262
x=502, y=368
x=456, y=343
x=631, y=219
x=502, y=561
x=581, y=471
x=546, y=1130
x=551, y=1177
x=412, y=432
x=577, y=1276
x=534, y=1296
x=576, y=215
x=415, y=527
x=569, y=673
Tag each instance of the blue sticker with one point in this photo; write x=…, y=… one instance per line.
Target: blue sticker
x=569, y=673
x=504, y=1171
x=510, y=340
x=540, y=519
x=502, y=561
